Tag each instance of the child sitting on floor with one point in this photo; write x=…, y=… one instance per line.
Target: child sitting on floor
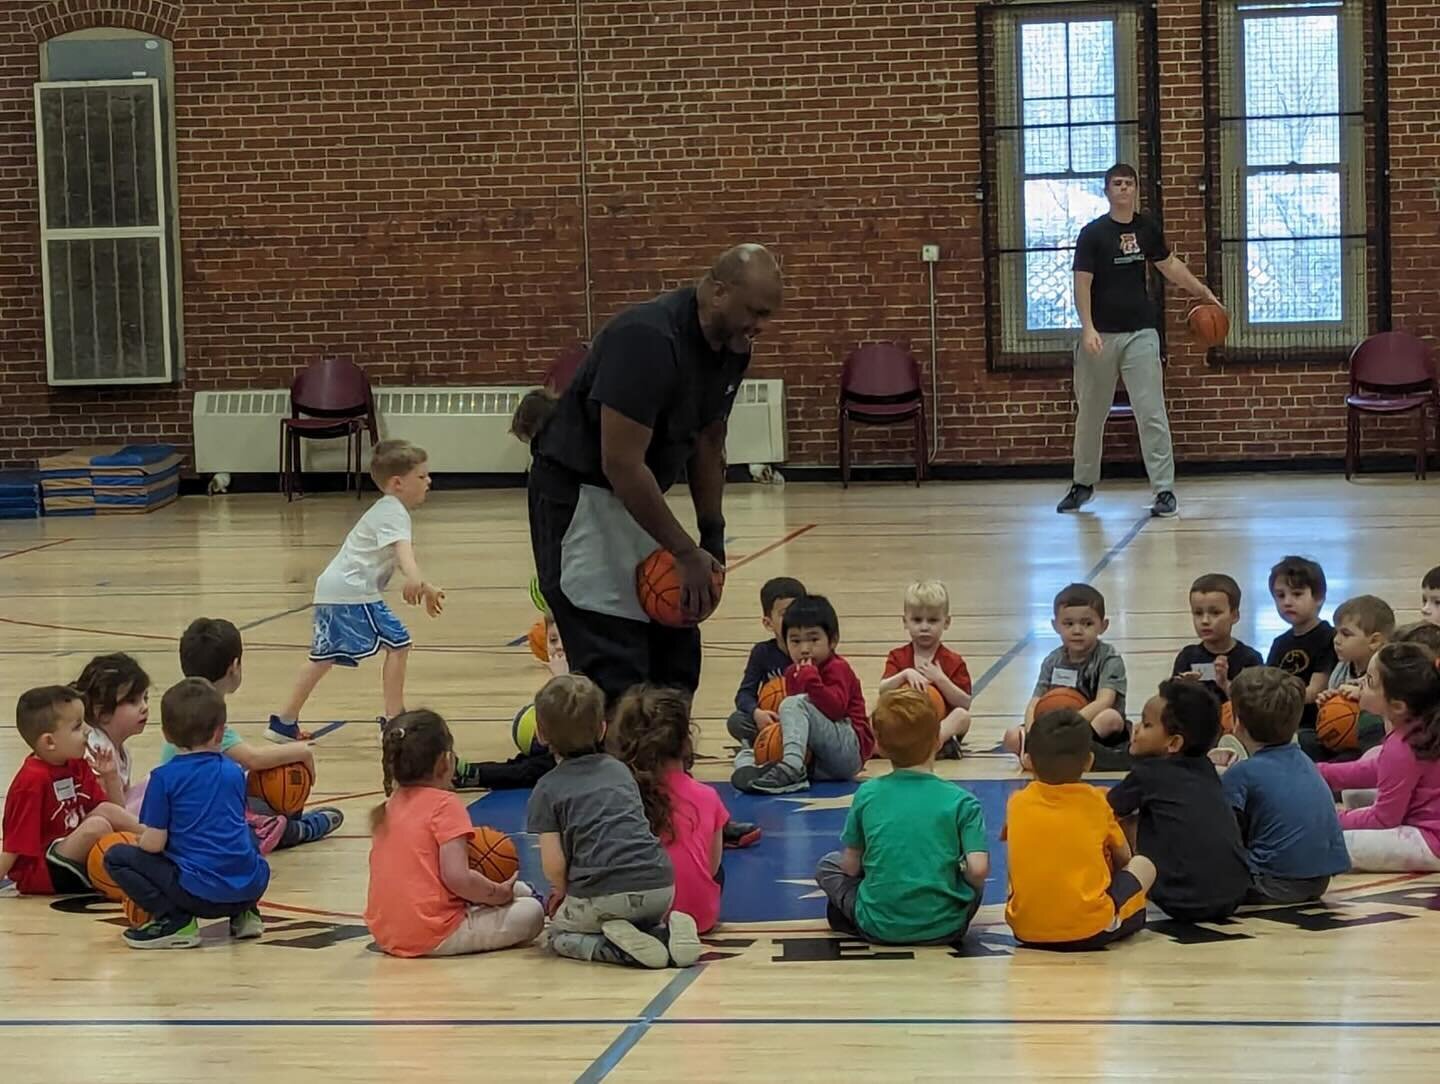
x=117, y=707
x=56, y=808
x=1218, y=658
x=424, y=899
x=826, y=731
x=1430, y=596
x=1363, y=625
x=768, y=660
x=925, y=663
x=915, y=860
x=652, y=737
x=1307, y=648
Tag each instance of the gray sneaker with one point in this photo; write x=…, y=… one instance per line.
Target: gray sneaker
x=247, y=927
x=1164, y=506
x=684, y=941
x=645, y=950
x=777, y=778
x=1077, y=498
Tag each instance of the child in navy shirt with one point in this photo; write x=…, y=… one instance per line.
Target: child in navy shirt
x=768, y=659
x=196, y=857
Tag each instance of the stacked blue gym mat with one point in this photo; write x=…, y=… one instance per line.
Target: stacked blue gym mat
x=19, y=495
x=112, y=479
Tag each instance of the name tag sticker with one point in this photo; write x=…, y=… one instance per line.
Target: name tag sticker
x=1068, y=679
x=1206, y=670
x=64, y=790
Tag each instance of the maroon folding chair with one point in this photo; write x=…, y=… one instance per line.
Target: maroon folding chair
x=328, y=400
x=564, y=368
x=1390, y=373
x=880, y=385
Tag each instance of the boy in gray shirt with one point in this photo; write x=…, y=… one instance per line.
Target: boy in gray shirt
x=611, y=881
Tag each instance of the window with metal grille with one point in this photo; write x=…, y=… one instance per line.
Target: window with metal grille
x=1296, y=200
x=1066, y=92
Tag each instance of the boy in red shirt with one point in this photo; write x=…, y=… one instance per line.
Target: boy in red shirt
x=56, y=809
x=925, y=663
x=822, y=717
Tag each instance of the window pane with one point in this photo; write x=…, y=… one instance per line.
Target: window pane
x=1292, y=65
x=1092, y=149
x=1292, y=205
x=1085, y=110
x=1056, y=210
x=1049, y=291
x=1304, y=141
x=1294, y=281
x=1092, y=58
x=1047, y=150
x=1042, y=60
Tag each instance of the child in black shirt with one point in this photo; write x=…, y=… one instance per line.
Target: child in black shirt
x=1218, y=658
x=1297, y=585
x=1177, y=810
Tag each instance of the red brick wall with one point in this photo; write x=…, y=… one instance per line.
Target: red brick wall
x=400, y=181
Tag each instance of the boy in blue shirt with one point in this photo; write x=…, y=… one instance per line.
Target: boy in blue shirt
x=196, y=857
x=1287, y=816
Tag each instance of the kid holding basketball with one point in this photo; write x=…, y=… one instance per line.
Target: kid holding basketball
x=196, y=857
x=652, y=737
x=915, y=859
x=822, y=718
x=117, y=707
x=424, y=899
x=352, y=622
x=925, y=663
x=611, y=882
x=56, y=808
x=768, y=660
x=211, y=648
x=1400, y=831
x=1363, y=625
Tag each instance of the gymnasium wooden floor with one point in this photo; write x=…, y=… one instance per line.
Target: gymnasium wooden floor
x=1328, y=991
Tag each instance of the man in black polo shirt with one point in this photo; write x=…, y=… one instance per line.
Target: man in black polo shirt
x=650, y=401
x=1119, y=338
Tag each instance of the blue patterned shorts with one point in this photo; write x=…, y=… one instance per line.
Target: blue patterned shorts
x=345, y=633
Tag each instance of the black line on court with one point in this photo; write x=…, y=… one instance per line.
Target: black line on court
x=275, y=617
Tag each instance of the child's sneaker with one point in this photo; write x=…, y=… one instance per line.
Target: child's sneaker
x=247, y=927
x=282, y=732
x=738, y=834
x=949, y=749
x=311, y=825
x=779, y=778
x=645, y=950
x=684, y=940
x=466, y=775
x=269, y=829
x=8, y=888
x=176, y=933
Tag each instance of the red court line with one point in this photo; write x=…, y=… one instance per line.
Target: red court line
x=763, y=550
x=308, y=910
x=35, y=549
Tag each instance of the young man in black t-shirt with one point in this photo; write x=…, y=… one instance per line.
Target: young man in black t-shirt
x=1119, y=338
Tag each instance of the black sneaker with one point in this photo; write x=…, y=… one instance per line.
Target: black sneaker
x=1164, y=506
x=742, y=777
x=738, y=834
x=949, y=749
x=176, y=933
x=779, y=778
x=1077, y=498
x=466, y=776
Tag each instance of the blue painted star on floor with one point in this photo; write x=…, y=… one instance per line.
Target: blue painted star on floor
x=774, y=880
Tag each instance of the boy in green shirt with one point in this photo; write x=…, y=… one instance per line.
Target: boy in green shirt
x=915, y=859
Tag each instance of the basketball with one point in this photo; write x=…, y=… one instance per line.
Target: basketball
x=1337, y=722
x=937, y=701
x=1227, y=718
x=1060, y=698
x=1209, y=325
x=536, y=639
x=771, y=693
x=769, y=744
x=536, y=598
x=522, y=732
x=133, y=914
x=657, y=584
x=99, y=876
x=285, y=789
x=492, y=853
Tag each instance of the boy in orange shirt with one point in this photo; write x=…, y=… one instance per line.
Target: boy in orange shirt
x=926, y=663
x=1074, y=885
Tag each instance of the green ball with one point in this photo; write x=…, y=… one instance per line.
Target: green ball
x=536, y=597
x=522, y=731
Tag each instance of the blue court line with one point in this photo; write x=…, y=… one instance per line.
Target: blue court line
x=274, y=617
x=328, y=728
x=602, y=1066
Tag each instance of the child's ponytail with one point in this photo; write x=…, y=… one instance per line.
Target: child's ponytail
x=651, y=732
x=409, y=747
x=1410, y=673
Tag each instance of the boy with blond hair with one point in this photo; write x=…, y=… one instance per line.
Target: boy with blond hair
x=352, y=622
x=925, y=663
x=56, y=808
x=915, y=860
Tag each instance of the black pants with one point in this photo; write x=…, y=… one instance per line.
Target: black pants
x=613, y=652
x=153, y=882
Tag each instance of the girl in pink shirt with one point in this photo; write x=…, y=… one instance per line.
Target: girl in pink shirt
x=652, y=736
x=1401, y=830
x=425, y=900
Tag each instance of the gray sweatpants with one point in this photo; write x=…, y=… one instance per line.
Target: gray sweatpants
x=1133, y=356
x=574, y=931
x=834, y=747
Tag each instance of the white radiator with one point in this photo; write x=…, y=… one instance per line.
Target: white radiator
x=465, y=430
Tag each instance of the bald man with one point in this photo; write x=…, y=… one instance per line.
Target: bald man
x=651, y=400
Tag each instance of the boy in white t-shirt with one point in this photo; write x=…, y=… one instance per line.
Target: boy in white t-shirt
x=352, y=621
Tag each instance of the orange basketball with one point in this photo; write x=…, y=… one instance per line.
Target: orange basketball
x=133, y=914
x=493, y=854
x=771, y=693
x=657, y=584
x=1227, y=718
x=1209, y=324
x=1060, y=698
x=536, y=639
x=1337, y=722
x=769, y=744
x=95, y=864
x=285, y=789
x=937, y=701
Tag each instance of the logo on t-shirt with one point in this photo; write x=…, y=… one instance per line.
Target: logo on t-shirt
x=1295, y=661
x=1129, y=244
